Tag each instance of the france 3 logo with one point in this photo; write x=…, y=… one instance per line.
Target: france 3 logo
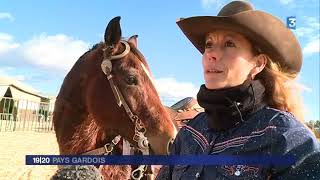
x=291, y=22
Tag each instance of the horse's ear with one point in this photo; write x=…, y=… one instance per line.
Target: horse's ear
x=134, y=40
x=112, y=34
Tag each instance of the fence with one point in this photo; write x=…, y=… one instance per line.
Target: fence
x=24, y=115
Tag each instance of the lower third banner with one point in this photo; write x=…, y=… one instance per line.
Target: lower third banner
x=158, y=160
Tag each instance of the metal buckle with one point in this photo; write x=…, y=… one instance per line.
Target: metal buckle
x=137, y=174
x=109, y=148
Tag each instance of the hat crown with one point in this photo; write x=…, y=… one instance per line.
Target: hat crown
x=235, y=7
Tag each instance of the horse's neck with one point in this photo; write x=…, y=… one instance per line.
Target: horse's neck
x=89, y=136
x=85, y=136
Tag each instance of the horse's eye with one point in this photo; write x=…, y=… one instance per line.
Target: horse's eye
x=131, y=80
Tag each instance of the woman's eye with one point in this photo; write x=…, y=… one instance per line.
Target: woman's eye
x=229, y=44
x=208, y=45
x=131, y=80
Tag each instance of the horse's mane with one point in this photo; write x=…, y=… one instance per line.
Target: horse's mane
x=95, y=46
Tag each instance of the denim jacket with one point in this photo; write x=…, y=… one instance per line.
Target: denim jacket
x=267, y=132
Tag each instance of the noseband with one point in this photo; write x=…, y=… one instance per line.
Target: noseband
x=139, y=131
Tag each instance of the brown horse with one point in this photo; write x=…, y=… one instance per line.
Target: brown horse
x=109, y=92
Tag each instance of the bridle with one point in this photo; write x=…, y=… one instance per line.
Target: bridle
x=139, y=131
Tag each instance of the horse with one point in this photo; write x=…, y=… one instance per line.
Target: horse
x=109, y=95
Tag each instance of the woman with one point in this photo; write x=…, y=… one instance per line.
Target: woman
x=250, y=60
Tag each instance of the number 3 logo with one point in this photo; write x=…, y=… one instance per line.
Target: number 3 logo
x=291, y=22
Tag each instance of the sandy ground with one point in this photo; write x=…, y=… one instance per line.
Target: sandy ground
x=13, y=148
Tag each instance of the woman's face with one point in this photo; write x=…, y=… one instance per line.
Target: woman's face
x=227, y=60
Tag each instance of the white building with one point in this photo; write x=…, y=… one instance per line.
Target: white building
x=17, y=98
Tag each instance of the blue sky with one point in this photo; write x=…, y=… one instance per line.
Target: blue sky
x=41, y=40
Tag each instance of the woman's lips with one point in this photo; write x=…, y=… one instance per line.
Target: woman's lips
x=213, y=71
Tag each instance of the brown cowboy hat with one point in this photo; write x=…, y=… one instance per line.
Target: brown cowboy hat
x=264, y=30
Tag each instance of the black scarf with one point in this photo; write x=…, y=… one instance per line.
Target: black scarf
x=229, y=107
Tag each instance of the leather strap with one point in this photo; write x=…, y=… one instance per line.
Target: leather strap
x=106, y=149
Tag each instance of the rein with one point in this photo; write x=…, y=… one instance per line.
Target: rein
x=140, y=130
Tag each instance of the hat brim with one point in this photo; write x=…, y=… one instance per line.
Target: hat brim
x=262, y=29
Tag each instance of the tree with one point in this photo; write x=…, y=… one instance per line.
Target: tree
x=310, y=124
x=317, y=124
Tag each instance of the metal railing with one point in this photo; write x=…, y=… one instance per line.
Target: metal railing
x=24, y=115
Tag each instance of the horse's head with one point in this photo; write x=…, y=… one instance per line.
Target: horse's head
x=125, y=66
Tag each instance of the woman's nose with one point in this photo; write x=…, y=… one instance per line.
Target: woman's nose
x=212, y=54
x=212, y=58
